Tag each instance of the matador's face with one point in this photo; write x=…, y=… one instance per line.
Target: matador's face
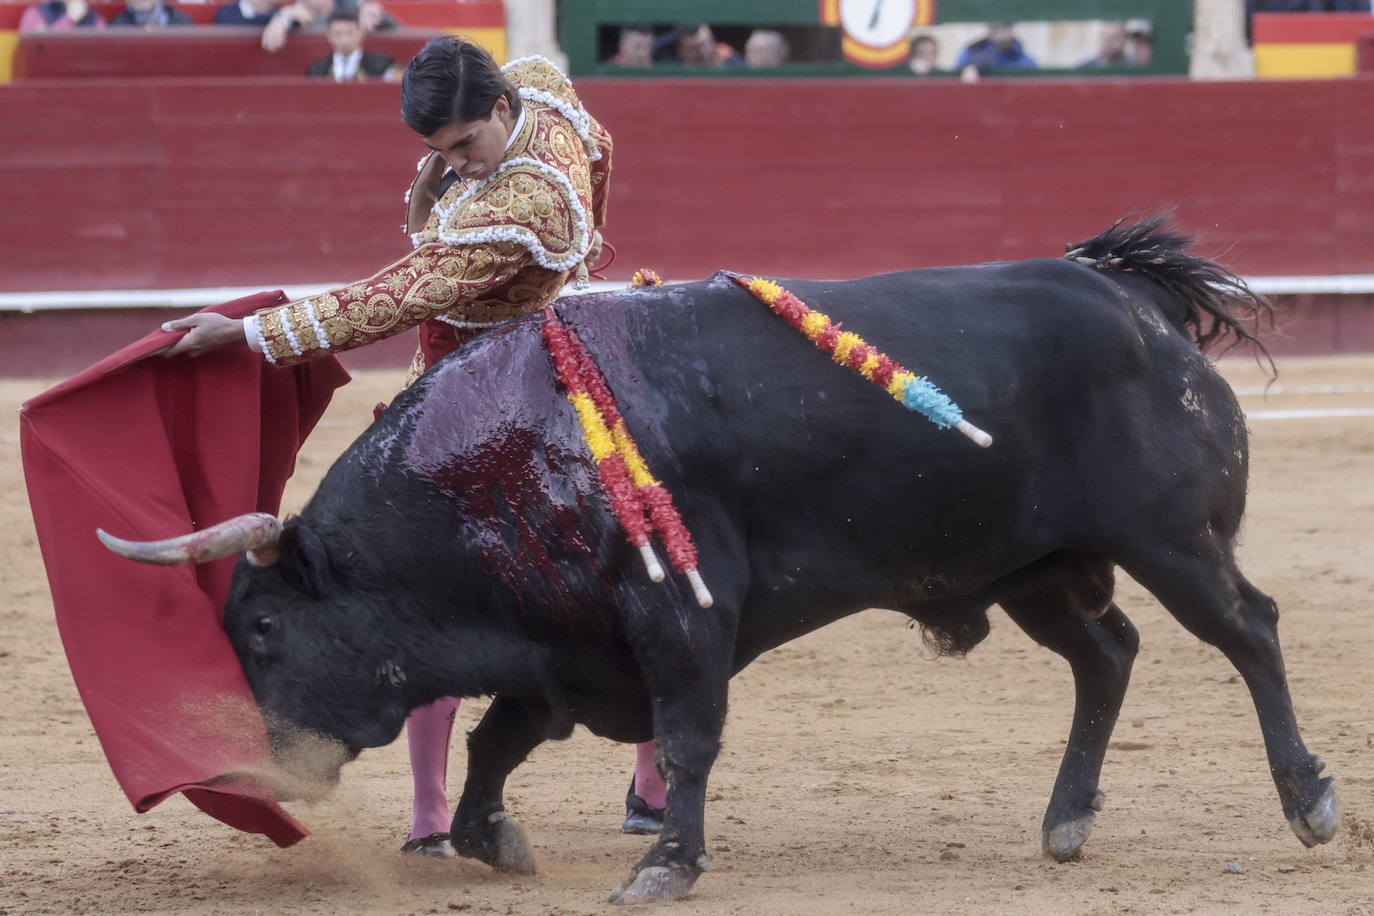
x=473, y=149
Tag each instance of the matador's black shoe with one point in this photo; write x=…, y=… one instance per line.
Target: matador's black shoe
x=639, y=816
x=435, y=846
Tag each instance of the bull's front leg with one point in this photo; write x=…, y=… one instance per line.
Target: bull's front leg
x=687, y=731
x=481, y=829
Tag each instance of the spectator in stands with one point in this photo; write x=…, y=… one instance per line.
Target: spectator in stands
x=245, y=12
x=635, y=47
x=59, y=16
x=765, y=48
x=998, y=51
x=924, y=51
x=149, y=14
x=313, y=15
x=694, y=44
x=1111, y=46
x=349, y=61
x=1140, y=42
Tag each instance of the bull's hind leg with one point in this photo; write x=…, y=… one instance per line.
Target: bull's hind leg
x=1100, y=652
x=481, y=830
x=1216, y=603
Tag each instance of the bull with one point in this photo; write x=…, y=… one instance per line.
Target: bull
x=463, y=545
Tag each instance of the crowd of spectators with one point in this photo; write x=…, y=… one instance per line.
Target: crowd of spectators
x=59, y=16
x=1120, y=44
x=694, y=44
x=343, y=23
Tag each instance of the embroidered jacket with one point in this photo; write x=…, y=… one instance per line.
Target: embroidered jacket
x=489, y=249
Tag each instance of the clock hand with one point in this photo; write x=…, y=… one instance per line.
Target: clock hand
x=877, y=12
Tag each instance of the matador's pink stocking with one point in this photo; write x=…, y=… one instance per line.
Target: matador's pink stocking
x=648, y=784
x=428, y=730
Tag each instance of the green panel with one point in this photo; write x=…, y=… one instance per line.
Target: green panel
x=579, y=21
x=1041, y=10
x=724, y=12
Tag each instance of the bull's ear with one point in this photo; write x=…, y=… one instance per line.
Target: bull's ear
x=304, y=559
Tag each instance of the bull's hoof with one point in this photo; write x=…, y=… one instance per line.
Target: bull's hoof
x=497, y=841
x=655, y=884
x=1064, y=841
x=512, y=850
x=1319, y=823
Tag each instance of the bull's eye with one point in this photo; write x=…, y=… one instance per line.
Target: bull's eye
x=262, y=627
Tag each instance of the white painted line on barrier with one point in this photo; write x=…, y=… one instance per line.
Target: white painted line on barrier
x=1311, y=414
x=1342, y=283
x=28, y=303
x=1244, y=390
x=199, y=298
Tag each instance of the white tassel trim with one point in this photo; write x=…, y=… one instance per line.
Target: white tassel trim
x=285, y=312
x=576, y=115
x=534, y=57
x=519, y=234
x=262, y=341
x=480, y=325
x=320, y=340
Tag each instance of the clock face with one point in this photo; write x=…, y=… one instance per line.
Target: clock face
x=877, y=23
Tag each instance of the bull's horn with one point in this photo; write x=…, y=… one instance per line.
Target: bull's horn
x=256, y=532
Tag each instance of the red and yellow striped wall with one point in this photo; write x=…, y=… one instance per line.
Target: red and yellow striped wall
x=1307, y=45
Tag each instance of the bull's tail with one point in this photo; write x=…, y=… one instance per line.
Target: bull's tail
x=1211, y=304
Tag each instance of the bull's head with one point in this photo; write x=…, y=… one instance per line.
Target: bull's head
x=327, y=680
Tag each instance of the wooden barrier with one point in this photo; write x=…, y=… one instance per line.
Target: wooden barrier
x=144, y=183
x=205, y=49
x=1364, y=54
x=131, y=184
x=228, y=51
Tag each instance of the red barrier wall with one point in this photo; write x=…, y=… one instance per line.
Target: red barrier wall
x=834, y=178
x=223, y=51
x=137, y=183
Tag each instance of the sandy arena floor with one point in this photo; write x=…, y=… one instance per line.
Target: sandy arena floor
x=859, y=775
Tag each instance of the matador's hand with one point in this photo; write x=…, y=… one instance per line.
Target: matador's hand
x=424, y=193
x=208, y=331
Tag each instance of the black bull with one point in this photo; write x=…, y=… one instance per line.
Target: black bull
x=463, y=545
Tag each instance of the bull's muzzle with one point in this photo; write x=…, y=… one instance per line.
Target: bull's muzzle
x=256, y=533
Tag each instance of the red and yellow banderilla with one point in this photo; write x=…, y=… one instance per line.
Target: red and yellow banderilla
x=640, y=502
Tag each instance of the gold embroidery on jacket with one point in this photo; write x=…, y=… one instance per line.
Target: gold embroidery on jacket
x=486, y=272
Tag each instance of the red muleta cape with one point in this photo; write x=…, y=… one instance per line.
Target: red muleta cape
x=148, y=449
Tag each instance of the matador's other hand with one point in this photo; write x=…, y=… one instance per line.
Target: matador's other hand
x=207, y=331
x=424, y=193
